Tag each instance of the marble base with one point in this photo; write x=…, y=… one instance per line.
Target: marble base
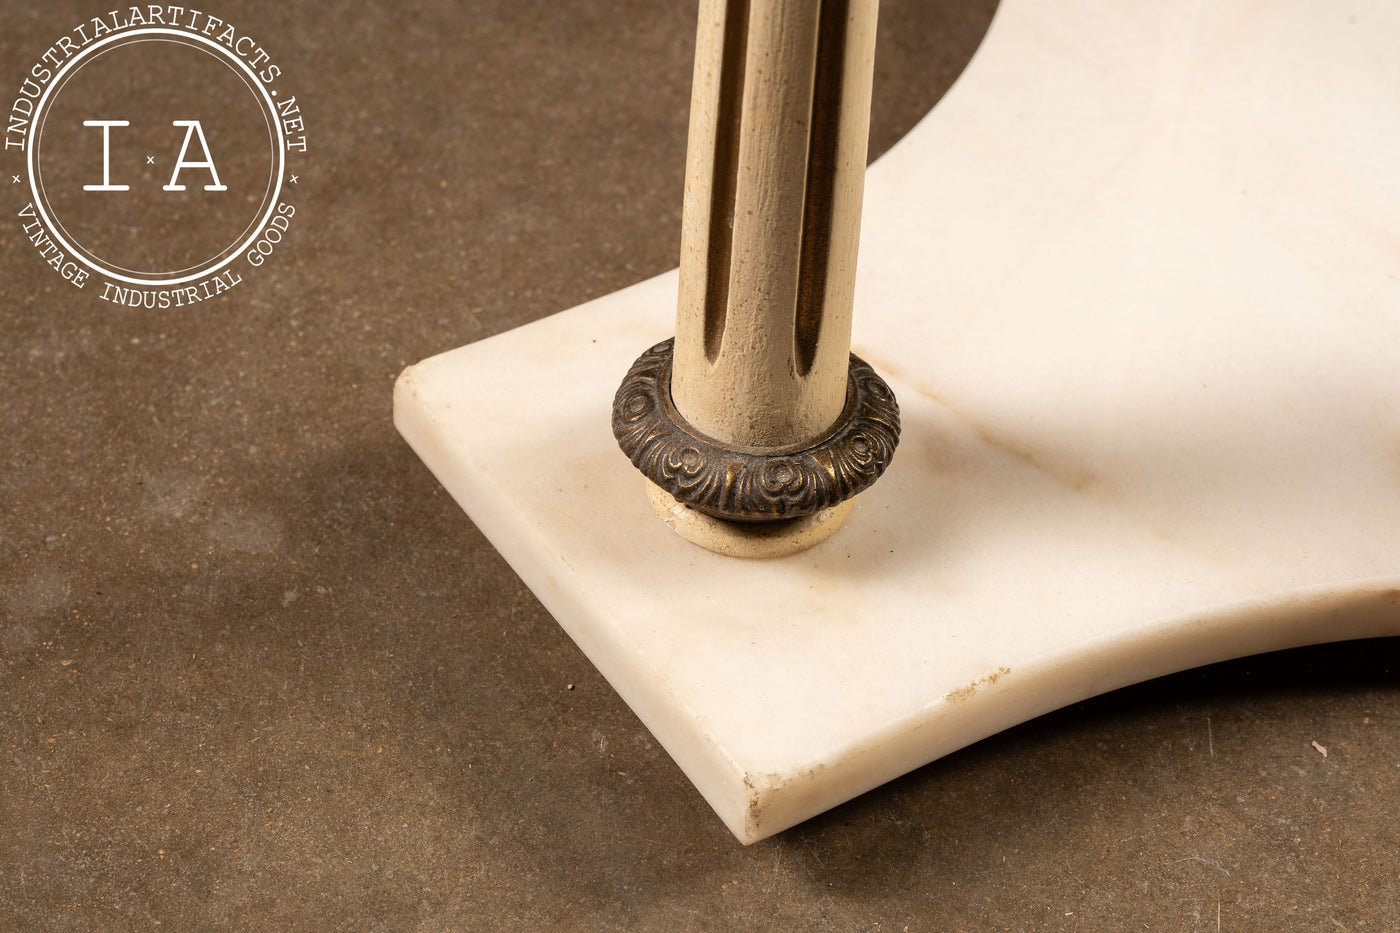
x=1135, y=283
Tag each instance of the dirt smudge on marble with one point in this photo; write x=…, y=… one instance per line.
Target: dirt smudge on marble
x=963, y=693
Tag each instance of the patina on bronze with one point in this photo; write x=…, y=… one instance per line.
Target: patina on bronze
x=755, y=425
x=751, y=484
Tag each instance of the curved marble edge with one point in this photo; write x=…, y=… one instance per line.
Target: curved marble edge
x=1007, y=697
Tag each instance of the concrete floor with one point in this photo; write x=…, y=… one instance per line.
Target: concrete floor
x=257, y=671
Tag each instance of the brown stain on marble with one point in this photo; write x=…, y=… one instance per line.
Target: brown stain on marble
x=760, y=789
x=963, y=693
x=1079, y=480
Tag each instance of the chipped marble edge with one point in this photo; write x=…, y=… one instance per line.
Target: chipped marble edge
x=1007, y=697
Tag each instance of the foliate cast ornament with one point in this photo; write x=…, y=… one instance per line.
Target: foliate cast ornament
x=751, y=483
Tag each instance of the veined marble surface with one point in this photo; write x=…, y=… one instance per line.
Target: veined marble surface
x=1136, y=283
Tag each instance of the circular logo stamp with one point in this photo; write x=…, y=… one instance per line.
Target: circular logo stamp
x=158, y=147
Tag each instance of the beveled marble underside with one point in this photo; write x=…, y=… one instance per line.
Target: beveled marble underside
x=1136, y=283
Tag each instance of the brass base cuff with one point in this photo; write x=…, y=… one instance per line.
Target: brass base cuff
x=749, y=484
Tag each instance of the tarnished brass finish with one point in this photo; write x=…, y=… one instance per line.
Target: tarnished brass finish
x=751, y=483
x=756, y=421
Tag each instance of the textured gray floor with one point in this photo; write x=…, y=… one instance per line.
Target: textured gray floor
x=257, y=671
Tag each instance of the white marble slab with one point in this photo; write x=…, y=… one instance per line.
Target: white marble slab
x=1136, y=283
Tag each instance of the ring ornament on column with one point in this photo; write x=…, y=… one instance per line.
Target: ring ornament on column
x=754, y=484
